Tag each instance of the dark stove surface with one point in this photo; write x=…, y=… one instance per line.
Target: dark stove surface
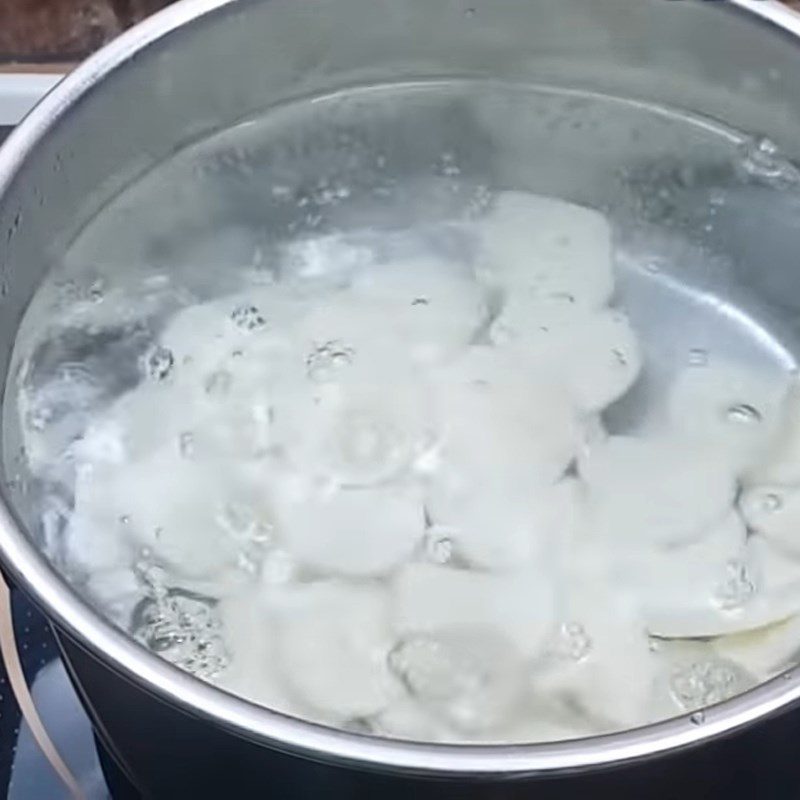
x=765, y=762
x=25, y=773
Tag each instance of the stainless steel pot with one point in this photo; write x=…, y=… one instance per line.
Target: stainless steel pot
x=200, y=66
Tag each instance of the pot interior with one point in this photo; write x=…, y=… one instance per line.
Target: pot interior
x=219, y=372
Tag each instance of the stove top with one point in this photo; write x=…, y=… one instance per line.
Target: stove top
x=25, y=774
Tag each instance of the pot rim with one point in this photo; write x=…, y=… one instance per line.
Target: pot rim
x=31, y=571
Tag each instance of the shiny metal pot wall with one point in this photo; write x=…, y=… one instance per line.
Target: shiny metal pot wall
x=204, y=64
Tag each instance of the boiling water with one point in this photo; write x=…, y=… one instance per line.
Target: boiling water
x=449, y=411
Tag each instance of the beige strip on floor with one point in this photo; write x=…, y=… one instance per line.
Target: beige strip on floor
x=8, y=647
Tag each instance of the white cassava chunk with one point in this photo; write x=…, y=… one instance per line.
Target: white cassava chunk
x=250, y=643
x=202, y=338
x=679, y=588
x=128, y=430
x=332, y=641
x=728, y=406
x=178, y=508
x=538, y=725
x=351, y=331
x=357, y=432
x=222, y=414
x=493, y=526
x=598, y=359
x=549, y=247
x=693, y=676
x=411, y=311
x=598, y=659
x=527, y=321
x=211, y=407
x=596, y=355
x=774, y=511
x=95, y=538
x=431, y=309
x=758, y=589
x=406, y=718
x=780, y=460
x=654, y=490
x=763, y=652
x=499, y=421
x=518, y=604
x=115, y=591
x=354, y=532
x=778, y=579
x=472, y=677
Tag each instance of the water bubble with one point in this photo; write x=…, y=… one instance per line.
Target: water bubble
x=124, y=519
x=218, y=383
x=472, y=677
x=761, y=159
x=698, y=684
x=327, y=194
x=242, y=524
x=247, y=561
x=186, y=444
x=447, y=165
x=248, y=318
x=571, y=642
x=96, y=291
x=313, y=220
x=184, y=629
x=743, y=414
x=420, y=662
x=479, y=201
x=252, y=534
x=327, y=360
x=159, y=363
x=151, y=576
x=737, y=588
x=39, y=417
x=438, y=547
x=716, y=199
x=653, y=266
x=698, y=357
x=278, y=567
